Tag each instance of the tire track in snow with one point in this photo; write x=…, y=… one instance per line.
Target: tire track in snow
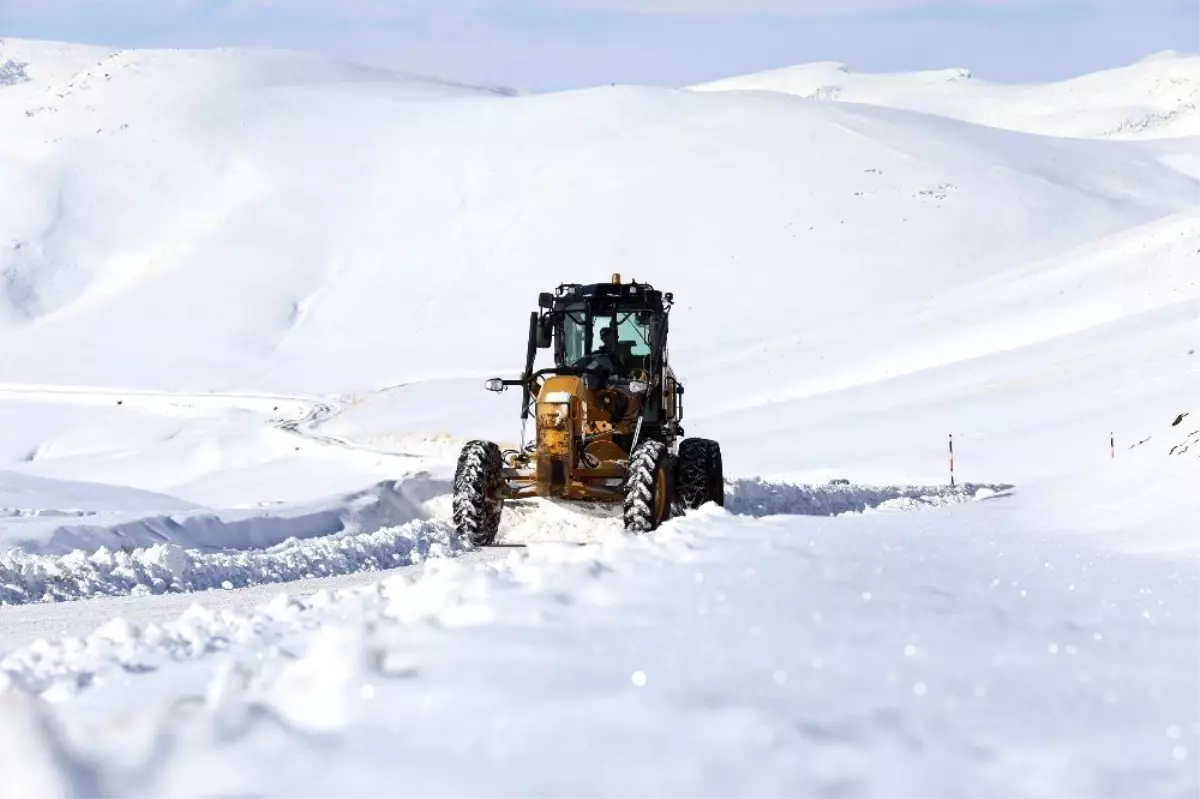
x=321, y=412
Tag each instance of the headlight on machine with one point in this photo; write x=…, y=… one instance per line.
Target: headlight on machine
x=638, y=386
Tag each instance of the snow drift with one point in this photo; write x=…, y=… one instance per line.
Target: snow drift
x=49, y=525
x=757, y=497
x=168, y=568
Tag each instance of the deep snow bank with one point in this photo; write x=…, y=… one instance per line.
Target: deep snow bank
x=757, y=497
x=400, y=527
x=170, y=568
x=50, y=527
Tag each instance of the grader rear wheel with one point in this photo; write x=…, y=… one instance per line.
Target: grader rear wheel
x=700, y=474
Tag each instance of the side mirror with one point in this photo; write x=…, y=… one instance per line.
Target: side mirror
x=545, y=300
x=544, y=332
x=494, y=384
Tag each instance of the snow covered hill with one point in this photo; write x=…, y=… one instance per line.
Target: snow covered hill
x=1158, y=97
x=247, y=302
x=277, y=210
x=266, y=222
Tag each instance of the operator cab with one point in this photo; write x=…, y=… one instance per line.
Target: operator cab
x=612, y=340
x=609, y=329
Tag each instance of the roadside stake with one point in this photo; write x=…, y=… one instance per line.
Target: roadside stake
x=951, y=460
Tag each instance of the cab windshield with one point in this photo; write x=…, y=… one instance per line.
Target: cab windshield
x=587, y=338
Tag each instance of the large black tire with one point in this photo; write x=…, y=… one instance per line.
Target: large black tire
x=477, y=492
x=700, y=473
x=649, y=487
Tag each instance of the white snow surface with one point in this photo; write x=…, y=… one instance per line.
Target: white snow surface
x=780, y=656
x=247, y=303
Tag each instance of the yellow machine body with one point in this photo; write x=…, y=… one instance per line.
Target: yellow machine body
x=580, y=442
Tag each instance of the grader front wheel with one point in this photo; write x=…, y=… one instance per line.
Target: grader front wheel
x=477, y=492
x=649, y=487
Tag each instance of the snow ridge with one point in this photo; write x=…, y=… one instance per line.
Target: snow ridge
x=59, y=668
x=167, y=568
x=1156, y=97
x=757, y=497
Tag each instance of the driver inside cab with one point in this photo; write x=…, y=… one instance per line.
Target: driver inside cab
x=619, y=353
x=607, y=353
x=607, y=343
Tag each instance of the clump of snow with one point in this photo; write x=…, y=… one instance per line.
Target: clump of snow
x=333, y=670
x=35, y=757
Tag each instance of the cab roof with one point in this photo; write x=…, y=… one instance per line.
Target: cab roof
x=623, y=295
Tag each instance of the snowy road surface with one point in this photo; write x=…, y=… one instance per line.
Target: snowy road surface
x=22, y=625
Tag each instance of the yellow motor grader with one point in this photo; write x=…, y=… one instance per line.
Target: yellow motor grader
x=607, y=417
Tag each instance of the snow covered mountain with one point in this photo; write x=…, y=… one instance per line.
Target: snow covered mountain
x=247, y=302
x=267, y=222
x=1158, y=97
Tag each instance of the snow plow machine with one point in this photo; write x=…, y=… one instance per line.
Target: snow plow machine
x=606, y=418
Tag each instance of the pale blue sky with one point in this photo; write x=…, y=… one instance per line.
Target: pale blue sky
x=554, y=44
